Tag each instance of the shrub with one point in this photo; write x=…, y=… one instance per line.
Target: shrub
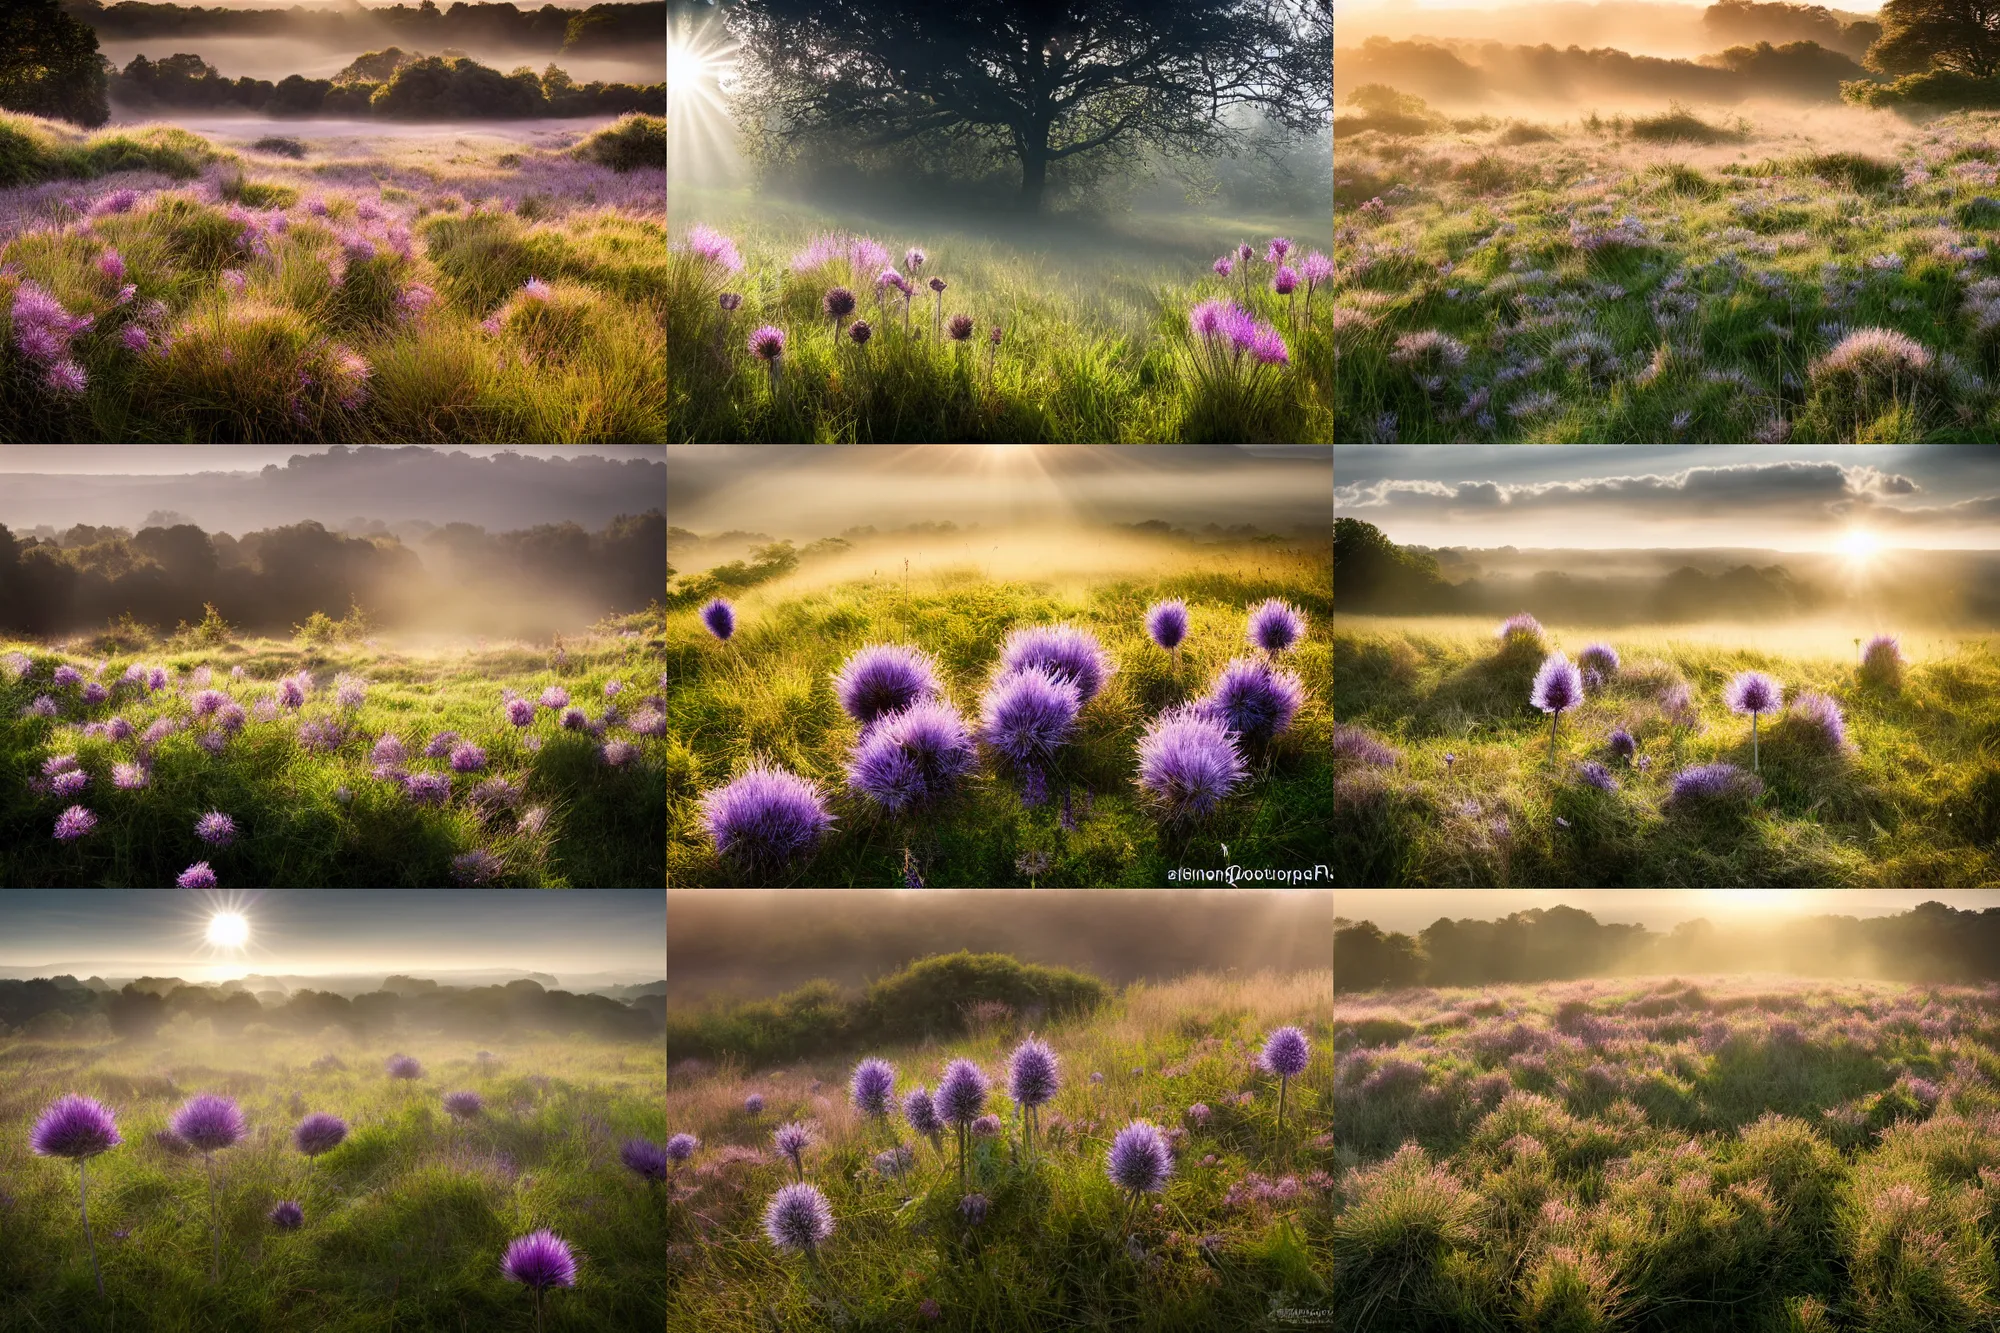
x=1394, y=1248
x=1677, y=124
x=280, y=145
x=633, y=142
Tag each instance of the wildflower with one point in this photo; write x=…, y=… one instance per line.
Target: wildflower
x=798, y=1218
x=1599, y=657
x=403, y=1067
x=645, y=1159
x=78, y=1128
x=216, y=829
x=467, y=758
x=539, y=1261
x=1276, y=626
x=427, y=788
x=573, y=719
x=1285, y=281
x=1285, y=1053
x=1754, y=693
x=477, y=866
x=209, y=1123
x=1622, y=744
x=1188, y=762
x=921, y=1113
x=860, y=331
x=464, y=1105
x=1066, y=652
x=879, y=679
x=65, y=376
x=1167, y=623
x=319, y=1134
x=520, y=712
x=729, y=301
x=1709, y=785
x=718, y=615
x=767, y=344
x=1430, y=348
x=766, y=818
x=973, y=1209
x=1224, y=266
x=1027, y=714
x=754, y=1103
x=1882, y=662
x=1597, y=775
x=1139, y=1160
x=913, y=259
x=871, y=1087
x=912, y=756
x=287, y=1216
x=1256, y=700
x=839, y=304
x=1558, y=686
x=67, y=784
x=706, y=243
x=73, y=823
x=791, y=1141
x=681, y=1147
x=320, y=734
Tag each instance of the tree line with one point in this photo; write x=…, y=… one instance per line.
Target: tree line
x=393, y=83
x=277, y=578
x=62, y=1006
x=616, y=28
x=1930, y=943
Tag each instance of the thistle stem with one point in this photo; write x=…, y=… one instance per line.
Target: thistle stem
x=1554, y=718
x=83, y=1200
x=1753, y=743
x=214, y=1227
x=1281, y=1101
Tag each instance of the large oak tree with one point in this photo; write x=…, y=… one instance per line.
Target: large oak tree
x=49, y=64
x=1920, y=35
x=1043, y=82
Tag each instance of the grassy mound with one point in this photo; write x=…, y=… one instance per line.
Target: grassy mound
x=33, y=150
x=633, y=142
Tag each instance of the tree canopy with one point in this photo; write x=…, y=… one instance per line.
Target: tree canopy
x=49, y=64
x=1045, y=83
x=1958, y=36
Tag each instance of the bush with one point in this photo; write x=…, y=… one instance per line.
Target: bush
x=633, y=142
x=277, y=143
x=1940, y=88
x=1677, y=124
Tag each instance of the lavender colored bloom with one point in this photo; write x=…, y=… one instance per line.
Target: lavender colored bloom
x=67, y=784
x=767, y=344
x=1285, y=1052
x=58, y=763
x=1267, y=347
x=200, y=875
x=720, y=617
x=293, y=689
x=160, y=730
x=617, y=753
x=573, y=719
x=798, y=1218
x=129, y=777
x=1032, y=1077
x=1254, y=699
x=644, y=1158
x=961, y=1094
x=873, y=1087
x=792, y=1140
x=288, y=1216
x=1199, y=1113
x=1063, y=650
x=1819, y=717
x=95, y=693
x=754, y=1103
x=1753, y=692
x=1224, y=266
x=463, y=1105
x=556, y=698
x=320, y=734
x=43, y=706
x=520, y=712
x=1276, y=626
x=539, y=1260
x=74, y=823
x=729, y=301
x=681, y=1147
x=1356, y=745
x=766, y=818
x=216, y=829
x=66, y=676
x=156, y=679
x=319, y=1133
x=884, y=678
x=921, y=1113
x=404, y=1067
x=1285, y=281
x=1710, y=785
x=973, y=1209
x=209, y=1123
x=706, y=243
x=1882, y=662
x=913, y=756
x=1188, y=762
x=1139, y=1160
x=118, y=729
x=1622, y=744
x=1027, y=715
x=427, y=788
x=75, y=1127
x=440, y=745
x=388, y=750
x=349, y=691
x=208, y=702
x=467, y=758
x=1558, y=685
x=1521, y=628
x=1167, y=623
x=1597, y=775
x=1599, y=657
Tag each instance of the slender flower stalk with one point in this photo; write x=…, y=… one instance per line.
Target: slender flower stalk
x=78, y=1128
x=1284, y=1054
x=937, y=323
x=1558, y=686
x=1753, y=692
x=208, y=1124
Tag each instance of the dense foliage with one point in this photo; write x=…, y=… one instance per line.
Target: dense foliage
x=599, y=28
x=49, y=64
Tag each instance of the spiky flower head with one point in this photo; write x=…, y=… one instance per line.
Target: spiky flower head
x=1599, y=657
x=754, y=1103
x=1622, y=744
x=798, y=1218
x=644, y=1158
x=1882, y=661
x=1597, y=775
x=555, y=697
x=1819, y=717
x=427, y=788
x=73, y=823
x=1224, y=266
x=1032, y=1078
x=319, y=1133
x=1713, y=784
x=792, y=1139
x=766, y=818
x=873, y=1087
x=1267, y=347
x=209, y=1123
x=1188, y=762
x=67, y=784
x=913, y=756
x=1558, y=685
x=959, y=327
x=520, y=712
x=961, y=1094
x=200, y=875
x=937, y=284
x=767, y=343
x=467, y=758
x=1357, y=745
x=921, y=1113
x=1518, y=628
x=1167, y=622
x=1253, y=698
x=884, y=678
x=75, y=1127
x=463, y=1105
x=539, y=1260
x=973, y=1209
x=860, y=331
x=1139, y=1160
x=729, y=301
x=216, y=829
x=1753, y=692
x=1285, y=281
x=404, y=1067
x=287, y=1216
x=1276, y=626
x=1285, y=1052
x=838, y=302
x=1027, y=715
x=1245, y=252
x=705, y=242
x=1067, y=652
x=681, y=1147
x=719, y=616
x=1317, y=269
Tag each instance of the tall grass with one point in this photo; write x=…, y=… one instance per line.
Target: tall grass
x=1913, y=801
x=405, y=1222
x=1214, y=1251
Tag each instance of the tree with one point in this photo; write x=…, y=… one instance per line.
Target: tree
x=1045, y=83
x=1962, y=36
x=49, y=64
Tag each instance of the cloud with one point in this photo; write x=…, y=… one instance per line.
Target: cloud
x=1776, y=488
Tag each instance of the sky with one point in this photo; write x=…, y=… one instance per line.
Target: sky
x=324, y=931
x=1771, y=497
x=130, y=460
x=809, y=491
x=1410, y=910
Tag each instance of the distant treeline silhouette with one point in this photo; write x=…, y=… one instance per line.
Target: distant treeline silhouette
x=606, y=28
x=392, y=83
x=277, y=578
x=1930, y=943
x=60, y=1007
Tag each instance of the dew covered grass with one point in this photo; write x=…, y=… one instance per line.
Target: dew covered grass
x=1709, y=1155
x=769, y=692
x=1242, y=1226
x=1830, y=277
x=544, y=807
x=405, y=1221
x=332, y=285
x=1912, y=800
x=1095, y=343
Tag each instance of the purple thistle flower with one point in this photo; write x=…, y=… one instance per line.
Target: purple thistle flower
x=467, y=758
x=118, y=729
x=838, y=302
x=767, y=344
x=216, y=829
x=1882, y=662
x=349, y=691
x=320, y=734
x=792, y=1140
x=1279, y=248
x=1709, y=785
x=960, y=328
x=1167, y=623
x=1754, y=693
x=873, y=1087
x=729, y=301
x=209, y=1123
x=1276, y=626
x=961, y=1094
x=404, y=1067
x=388, y=750
x=573, y=719
x=540, y=1260
x=1285, y=1054
x=766, y=818
x=644, y=1158
x=681, y=1147
x=1522, y=628
x=1622, y=744
x=937, y=284
x=534, y=289
x=912, y=756
x=884, y=678
x=556, y=698
x=427, y=788
x=156, y=679
x=1317, y=269
x=1597, y=775
x=43, y=706
x=200, y=875
x=1285, y=281
x=1224, y=266
x=913, y=259
x=440, y=744
x=75, y=1127
x=1188, y=762
x=463, y=1105
x=319, y=1133
x=67, y=784
x=111, y=265
x=1820, y=716
x=1558, y=685
x=973, y=1209
x=617, y=753
x=754, y=1103
x=921, y=1113
x=1139, y=1160
x=135, y=338
x=720, y=617
x=161, y=729
x=520, y=712
x=209, y=702
x=66, y=676
x=1599, y=657
x=706, y=243
x=58, y=763
x=1244, y=252
x=798, y=1218
x=74, y=823
x=1267, y=347
x=1065, y=651
x=1032, y=1077
x=860, y=331
x=129, y=777
x=288, y=1216
x=1254, y=699
x=1027, y=715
